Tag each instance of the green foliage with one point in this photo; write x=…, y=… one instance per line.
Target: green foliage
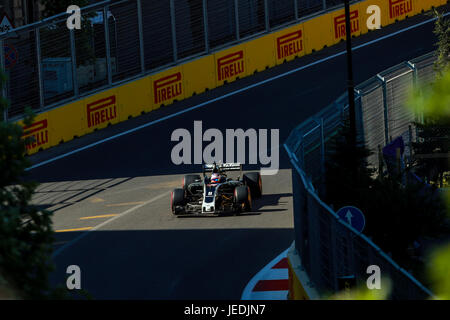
x=363, y=293
x=434, y=133
x=56, y=40
x=442, y=31
x=54, y=7
x=346, y=170
x=396, y=215
x=439, y=272
x=26, y=233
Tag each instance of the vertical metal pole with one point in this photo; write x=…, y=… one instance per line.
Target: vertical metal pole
x=174, y=31
x=322, y=148
x=351, y=85
x=385, y=107
x=3, y=88
x=266, y=14
x=419, y=113
x=39, y=64
x=74, y=64
x=107, y=44
x=324, y=4
x=205, y=25
x=236, y=19
x=296, y=9
x=141, y=35
x=410, y=143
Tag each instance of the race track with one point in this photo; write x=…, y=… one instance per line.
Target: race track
x=112, y=199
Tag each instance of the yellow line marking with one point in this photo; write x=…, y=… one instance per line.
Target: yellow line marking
x=125, y=204
x=72, y=230
x=96, y=200
x=100, y=217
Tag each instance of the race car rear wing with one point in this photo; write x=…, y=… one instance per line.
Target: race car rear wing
x=223, y=167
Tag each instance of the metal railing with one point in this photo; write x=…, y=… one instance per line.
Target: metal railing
x=329, y=248
x=48, y=65
x=381, y=116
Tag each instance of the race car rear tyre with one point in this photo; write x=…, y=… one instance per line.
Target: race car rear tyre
x=176, y=200
x=190, y=178
x=243, y=198
x=254, y=181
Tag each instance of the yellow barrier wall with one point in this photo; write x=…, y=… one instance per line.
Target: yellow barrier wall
x=296, y=290
x=177, y=83
x=289, y=43
x=231, y=64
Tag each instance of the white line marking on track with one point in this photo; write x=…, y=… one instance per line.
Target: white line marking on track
x=81, y=236
x=270, y=295
x=151, y=123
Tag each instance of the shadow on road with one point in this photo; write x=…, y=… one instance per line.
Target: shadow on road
x=169, y=264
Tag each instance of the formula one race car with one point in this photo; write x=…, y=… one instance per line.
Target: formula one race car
x=216, y=194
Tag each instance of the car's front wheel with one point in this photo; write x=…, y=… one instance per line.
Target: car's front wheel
x=176, y=200
x=243, y=199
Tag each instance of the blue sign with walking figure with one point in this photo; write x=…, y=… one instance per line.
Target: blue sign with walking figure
x=352, y=216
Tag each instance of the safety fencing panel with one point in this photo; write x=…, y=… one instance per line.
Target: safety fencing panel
x=134, y=56
x=382, y=103
x=328, y=248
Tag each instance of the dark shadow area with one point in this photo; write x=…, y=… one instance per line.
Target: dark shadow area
x=62, y=195
x=169, y=264
x=270, y=200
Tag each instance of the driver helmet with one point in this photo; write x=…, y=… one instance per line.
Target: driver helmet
x=215, y=178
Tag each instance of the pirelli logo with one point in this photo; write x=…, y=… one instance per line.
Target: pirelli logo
x=38, y=132
x=168, y=88
x=230, y=65
x=398, y=8
x=340, y=27
x=101, y=111
x=290, y=44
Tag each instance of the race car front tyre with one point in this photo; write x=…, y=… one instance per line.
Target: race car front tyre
x=176, y=200
x=253, y=180
x=243, y=198
x=190, y=178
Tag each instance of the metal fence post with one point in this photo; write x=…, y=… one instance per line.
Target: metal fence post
x=296, y=9
x=76, y=91
x=39, y=68
x=324, y=4
x=2, y=66
x=108, y=43
x=174, y=30
x=412, y=66
x=236, y=19
x=266, y=15
x=205, y=25
x=386, y=114
x=322, y=147
x=141, y=35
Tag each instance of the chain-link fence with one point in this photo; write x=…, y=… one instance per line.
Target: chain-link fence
x=382, y=105
x=330, y=249
x=382, y=115
x=48, y=65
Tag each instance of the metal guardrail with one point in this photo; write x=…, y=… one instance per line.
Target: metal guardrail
x=329, y=248
x=49, y=65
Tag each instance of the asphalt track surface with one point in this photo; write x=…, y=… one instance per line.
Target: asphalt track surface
x=132, y=247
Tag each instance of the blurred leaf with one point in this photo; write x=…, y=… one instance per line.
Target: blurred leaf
x=363, y=293
x=439, y=272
